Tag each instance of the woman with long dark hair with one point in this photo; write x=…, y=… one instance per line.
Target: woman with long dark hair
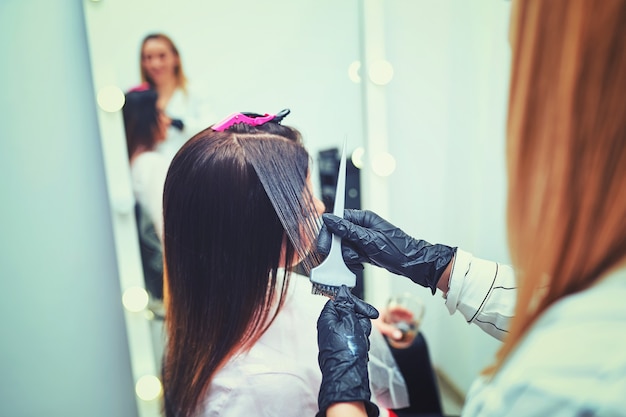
x=239, y=214
x=146, y=126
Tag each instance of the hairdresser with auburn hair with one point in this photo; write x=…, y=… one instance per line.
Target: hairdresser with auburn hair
x=563, y=352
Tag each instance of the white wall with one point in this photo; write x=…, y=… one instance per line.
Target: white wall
x=447, y=110
x=64, y=350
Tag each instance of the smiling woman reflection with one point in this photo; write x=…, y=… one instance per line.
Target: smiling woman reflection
x=239, y=213
x=186, y=103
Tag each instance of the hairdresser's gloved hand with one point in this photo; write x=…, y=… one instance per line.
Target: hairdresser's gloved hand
x=367, y=237
x=343, y=330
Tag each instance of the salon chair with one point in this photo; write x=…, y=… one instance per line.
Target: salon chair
x=419, y=375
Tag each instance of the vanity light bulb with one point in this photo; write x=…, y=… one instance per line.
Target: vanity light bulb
x=148, y=314
x=381, y=72
x=111, y=98
x=353, y=72
x=135, y=299
x=148, y=388
x=383, y=164
x=357, y=157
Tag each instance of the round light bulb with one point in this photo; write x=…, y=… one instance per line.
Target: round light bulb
x=111, y=98
x=149, y=314
x=148, y=388
x=135, y=299
x=357, y=157
x=383, y=164
x=353, y=72
x=381, y=72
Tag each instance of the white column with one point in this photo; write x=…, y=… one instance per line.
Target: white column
x=375, y=189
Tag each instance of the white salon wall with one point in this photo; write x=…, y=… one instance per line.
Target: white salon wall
x=63, y=348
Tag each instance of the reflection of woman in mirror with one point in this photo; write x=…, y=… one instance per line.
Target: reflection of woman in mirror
x=146, y=128
x=239, y=213
x=162, y=70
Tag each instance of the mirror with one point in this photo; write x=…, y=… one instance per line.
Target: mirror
x=245, y=56
x=428, y=108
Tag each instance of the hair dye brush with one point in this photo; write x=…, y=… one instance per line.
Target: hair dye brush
x=332, y=273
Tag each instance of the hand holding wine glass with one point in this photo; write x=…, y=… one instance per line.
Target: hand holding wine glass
x=401, y=319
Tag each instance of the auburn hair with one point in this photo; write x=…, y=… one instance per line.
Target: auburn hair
x=566, y=152
x=237, y=214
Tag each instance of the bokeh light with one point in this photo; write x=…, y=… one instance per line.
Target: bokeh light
x=383, y=164
x=111, y=98
x=148, y=388
x=381, y=72
x=357, y=157
x=353, y=72
x=135, y=299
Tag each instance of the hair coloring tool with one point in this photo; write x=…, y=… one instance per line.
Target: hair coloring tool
x=331, y=274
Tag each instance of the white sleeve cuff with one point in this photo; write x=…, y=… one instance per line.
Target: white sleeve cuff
x=471, y=285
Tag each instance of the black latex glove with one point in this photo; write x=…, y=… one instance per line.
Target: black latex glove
x=367, y=237
x=343, y=330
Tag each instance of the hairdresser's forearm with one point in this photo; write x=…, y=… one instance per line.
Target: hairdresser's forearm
x=444, y=281
x=353, y=409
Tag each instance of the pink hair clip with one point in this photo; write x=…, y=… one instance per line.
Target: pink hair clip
x=141, y=87
x=242, y=118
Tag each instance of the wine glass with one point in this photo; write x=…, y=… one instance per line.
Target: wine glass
x=405, y=312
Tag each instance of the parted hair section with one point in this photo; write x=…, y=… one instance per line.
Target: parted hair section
x=237, y=215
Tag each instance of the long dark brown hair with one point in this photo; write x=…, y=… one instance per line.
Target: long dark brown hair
x=141, y=120
x=234, y=201
x=566, y=151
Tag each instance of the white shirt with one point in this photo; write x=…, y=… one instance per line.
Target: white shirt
x=572, y=362
x=192, y=108
x=280, y=377
x=148, y=172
